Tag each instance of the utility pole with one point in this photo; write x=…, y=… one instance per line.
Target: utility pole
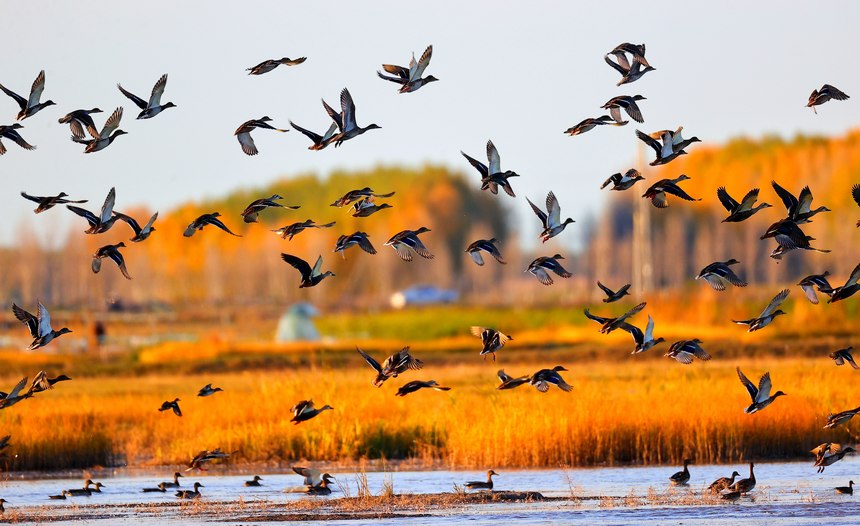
x=642, y=272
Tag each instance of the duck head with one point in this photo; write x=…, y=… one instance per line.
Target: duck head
x=778, y=312
x=384, y=205
x=422, y=230
x=639, y=97
x=168, y=105
x=62, y=378
x=64, y=330
x=275, y=197
x=62, y=194
x=778, y=393
x=328, y=273
x=735, y=474
x=372, y=127
x=121, y=244
x=732, y=261
x=323, y=408
x=683, y=177
x=430, y=78
x=258, y=477
x=490, y=473
x=198, y=485
x=558, y=368
x=265, y=119
x=558, y=256
x=95, y=110
x=118, y=133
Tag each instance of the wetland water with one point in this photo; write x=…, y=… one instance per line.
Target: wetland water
x=787, y=493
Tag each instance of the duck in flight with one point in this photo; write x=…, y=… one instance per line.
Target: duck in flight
x=319, y=141
x=349, y=128
x=826, y=93
x=644, y=341
x=104, y=138
x=9, y=132
x=174, y=405
x=492, y=340
x=611, y=295
x=767, y=315
x=406, y=242
x=542, y=379
x=140, y=233
x=657, y=191
x=813, y=281
x=667, y=144
x=253, y=210
x=760, y=396
x=39, y=326
x=106, y=218
x=415, y=385
x=718, y=273
x=366, y=207
x=207, y=219
x=799, y=208
x=30, y=106
x=243, y=133
x=268, y=65
x=628, y=104
x=492, y=176
x=357, y=195
x=685, y=350
x=739, y=211
x=484, y=245
x=359, y=239
x=608, y=325
x=543, y=265
x=112, y=252
x=844, y=355
x=287, y=232
x=304, y=411
x=208, y=390
x=398, y=363
x=590, y=123
x=621, y=182
x=49, y=202
x=551, y=219
x=80, y=120
x=410, y=78
x=851, y=286
x=153, y=107
x=311, y=277
x=837, y=419
x=510, y=382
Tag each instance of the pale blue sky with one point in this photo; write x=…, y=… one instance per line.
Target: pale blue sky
x=517, y=73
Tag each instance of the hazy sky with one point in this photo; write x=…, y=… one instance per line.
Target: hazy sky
x=518, y=74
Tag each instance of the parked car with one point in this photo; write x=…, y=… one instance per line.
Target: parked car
x=423, y=295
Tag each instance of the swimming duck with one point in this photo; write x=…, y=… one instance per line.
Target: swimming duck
x=761, y=397
x=826, y=93
x=492, y=176
x=657, y=191
x=106, y=218
x=310, y=276
x=30, y=106
x=251, y=211
x=190, y=494
x=415, y=385
x=668, y=150
x=768, y=314
x=543, y=378
x=851, y=286
x=321, y=488
x=731, y=495
x=410, y=78
x=723, y=483
x=644, y=341
x=40, y=327
x=398, y=363
x=304, y=410
x=61, y=496
x=112, y=252
x=254, y=482
x=844, y=355
x=312, y=477
x=154, y=106
x=41, y=383
x=491, y=339
x=160, y=488
x=509, y=382
x=104, y=138
x=366, y=207
x=616, y=104
x=629, y=73
x=207, y=219
x=745, y=485
x=48, y=202
x=836, y=420
x=357, y=195
x=97, y=488
x=488, y=246
x=740, y=211
x=488, y=485
x=623, y=182
x=590, y=123
x=356, y=238
x=287, y=232
x=205, y=456
x=319, y=141
x=174, y=405
x=608, y=325
x=208, y=390
x=846, y=490
x=268, y=65
x=682, y=477
x=685, y=350
x=611, y=295
x=79, y=120
x=86, y=491
x=349, y=128
x=175, y=483
x=551, y=219
x=243, y=133
x=718, y=273
x=8, y=132
x=809, y=283
x=406, y=242
x=539, y=267
x=15, y=395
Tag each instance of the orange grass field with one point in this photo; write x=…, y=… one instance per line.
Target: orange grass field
x=635, y=410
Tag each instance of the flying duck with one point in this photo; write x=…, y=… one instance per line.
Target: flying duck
x=8, y=132
x=112, y=252
x=492, y=176
x=243, y=133
x=685, y=350
x=836, y=420
x=312, y=477
x=106, y=218
x=551, y=219
x=608, y=325
x=154, y=106
x=311, y=277
x=410, y=78
x=349, y=128
x=723, y=483
x=761, y=397
x=206, y=456
x=208, y=390
x=287, y=232
x=40, y=327
x=190, y=494
x=79, y=120
x=356, y=238
x=268, y=65
x=30, y=106
x=41, y=383
x=479, y=484
x=637, y=52
x=406, y=242
x=251, y=211
x=623, y=182
x=254, y=482
x=415, y=385
x=322, y=488
x=366, y=207
x=851, y=286
x=740, y=211
x=48, y=202
x=174, y=405
x=590, y=123
x=669, y=146
x=644, y=341
x=304, y=410
x=788, y=235
x=813, y=281
x=629, y=73
x=611, y=295
x=485, y=245
x=160, y=488
x=855, y=191
x=104, y=138
x=846, y=490
x=799, y=208
x=544, y=377
x=207, y=219
x=828, y=454
x=491, y=339
x=718, y=273
x=657, y=191
x=826, y=93
x=319, y=141
x=140, y=233
x=357, y=195
x=768, y=314
x=616, y=104
x=682, y=477
x=844, y=355
x=745, y=485
x=539, y=267
x=509, y=382
x=14, y=396
x=398, y=363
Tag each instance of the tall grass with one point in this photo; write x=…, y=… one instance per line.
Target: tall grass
x=631, y=411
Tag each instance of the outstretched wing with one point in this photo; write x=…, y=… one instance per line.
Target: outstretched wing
x=493, y=158
x=140, y=103
x=751, y=389
x=553, y=210
x=348, y=108
x=764, y=386
x=788, y=200
x=592, y=317
x=370, y=360
x=44, y=320
x=481, y=167
x=423, y=62
x=297, y=263
x=39, y=86
x=538, y=212
x=158, y=91
x=774, y=303
x=728, y=202
x=27, y=319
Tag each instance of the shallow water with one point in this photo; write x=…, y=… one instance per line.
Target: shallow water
x=791, y=493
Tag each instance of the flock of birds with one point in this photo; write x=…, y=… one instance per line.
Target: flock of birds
x=667, y=145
